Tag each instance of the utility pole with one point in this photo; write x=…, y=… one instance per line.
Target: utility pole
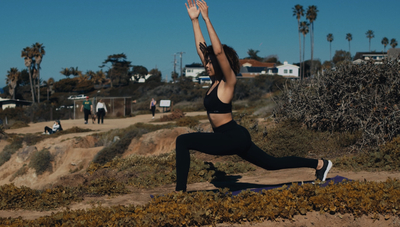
x=181, y=60
x=174, y=64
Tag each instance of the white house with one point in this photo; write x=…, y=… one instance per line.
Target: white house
x=361, y=57
x=288, y=70
x=141, y=79
x=194, y=70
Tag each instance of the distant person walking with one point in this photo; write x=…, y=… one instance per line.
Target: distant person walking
x=153, y=106
x=87, y=108
x=101, y=110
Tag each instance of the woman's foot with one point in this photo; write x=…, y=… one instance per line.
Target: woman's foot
x=322, y=172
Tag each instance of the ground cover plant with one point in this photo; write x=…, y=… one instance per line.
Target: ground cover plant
x=210, y=208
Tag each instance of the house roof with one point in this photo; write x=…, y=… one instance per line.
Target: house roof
x=251, y=69
x=195, y=65
x=15, y=101
x=359, y=55
x=393, y=53
x=255, y=63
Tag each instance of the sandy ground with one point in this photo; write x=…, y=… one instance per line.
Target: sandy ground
x=254, y=179
x=108, y=123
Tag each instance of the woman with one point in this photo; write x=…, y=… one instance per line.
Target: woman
x=101, y=110
x=153, y=106
x=222, y=65
x=56, y=127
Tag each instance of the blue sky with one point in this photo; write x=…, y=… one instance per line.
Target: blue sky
x=82, y=33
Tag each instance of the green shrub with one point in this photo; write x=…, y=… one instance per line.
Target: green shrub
x=41, y=161
x=386, y=158
x=105, y=186
x=187, y=121
x=174, y=115
x=10, y=149
x=19, y=124
x=117, y=148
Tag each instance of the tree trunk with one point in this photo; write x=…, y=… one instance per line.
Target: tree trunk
x=312, y=48
x=304, y=50
x=32, y=90
x=298, y=30
x=38, y=78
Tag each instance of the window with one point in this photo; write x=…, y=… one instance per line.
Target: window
x=285, y=71
x=290, y=70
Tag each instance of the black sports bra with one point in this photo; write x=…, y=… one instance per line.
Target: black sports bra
x=214, y=105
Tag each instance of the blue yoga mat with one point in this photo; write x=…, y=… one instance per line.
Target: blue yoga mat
x=335, y=180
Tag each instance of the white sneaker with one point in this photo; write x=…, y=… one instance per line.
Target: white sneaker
x=323, y=172
x=153, y=118
x=44, y=133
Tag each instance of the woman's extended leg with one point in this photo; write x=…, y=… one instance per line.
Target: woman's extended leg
x=209, y=143
x=259, y=158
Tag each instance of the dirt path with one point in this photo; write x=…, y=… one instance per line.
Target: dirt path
x=108, y=123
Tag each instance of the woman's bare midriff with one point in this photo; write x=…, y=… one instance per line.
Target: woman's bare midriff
x=217, y=120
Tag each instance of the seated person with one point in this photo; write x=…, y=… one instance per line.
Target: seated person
x=56, y=127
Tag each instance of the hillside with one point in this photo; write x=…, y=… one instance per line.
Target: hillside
x=73, y=152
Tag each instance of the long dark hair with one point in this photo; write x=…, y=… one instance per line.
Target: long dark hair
x=231, y=55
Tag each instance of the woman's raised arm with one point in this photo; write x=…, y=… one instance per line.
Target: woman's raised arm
x=194, y=13
x=230, y=77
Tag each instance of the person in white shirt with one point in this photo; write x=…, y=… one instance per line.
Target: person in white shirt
x=101, y=111
x=56, y=127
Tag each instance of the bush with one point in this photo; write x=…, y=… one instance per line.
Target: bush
x=351, y=98
x=187, y=121
x=174, y=115
x=41, y=161
x=19, y=124
x=16, y=114
x=117, y=148
x=10, y=149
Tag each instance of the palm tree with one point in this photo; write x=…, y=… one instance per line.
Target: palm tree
x=12, y=81
x=49, y=84
x=393, y=43
x=385, y=42
x=39, y=52
x=27, y=54
x=99, y=77
x=82, y=78
x=370, y=35
x=311, y=16
x=298, y=11
x=304, y=30
x=349, y=37
x=74, y=71
x=329, y=37
x=66, y=72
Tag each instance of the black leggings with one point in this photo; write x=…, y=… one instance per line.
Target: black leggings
x=48, y=129
x=153, y=110
x=87, y=113
x=229, y=139
x=100, y=114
